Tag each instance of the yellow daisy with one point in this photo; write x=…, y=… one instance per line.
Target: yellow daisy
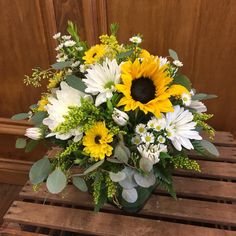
x=94, y=54
x=96, y=141
x=146, y=85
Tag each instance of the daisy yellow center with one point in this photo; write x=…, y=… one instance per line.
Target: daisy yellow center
x=143, y=90
x=96, y=141
x=148, y=138
x=109, y=84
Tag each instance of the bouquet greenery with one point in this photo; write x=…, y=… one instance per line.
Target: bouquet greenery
x=122, y=120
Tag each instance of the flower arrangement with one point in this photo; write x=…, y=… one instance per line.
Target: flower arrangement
x=122, y=120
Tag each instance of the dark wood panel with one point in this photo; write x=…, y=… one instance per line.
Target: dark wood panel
x=82, y=221
x=203, y=33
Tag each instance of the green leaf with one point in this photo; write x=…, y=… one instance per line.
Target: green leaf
x=145, y=164
x=61, y=65
x=145, y=181
x=31, y=145
x=38, y=117
x=20, y=116
x=33, y=106
x=75, y=82
x=56, y=181
x=93, y=167
x=122, y=153
x=130, y=195
x=124, y=55
x=203, y=96
x=80, y=183
x=21, y=143
x=116, y=177
x=173, y=54
x=183, y=80
x=210, y=148
x=40, y=171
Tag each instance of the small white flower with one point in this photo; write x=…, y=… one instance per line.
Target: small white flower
x=34, y=133
x=178, y=63
x=140, y=129
x=136, y=39
x=136, y=140
x=163, y=61
x=120, y=117
x=161, y=139
x=62, y=59
x=69, y=72
x=59, y=47
x=152, y=123
x=57, y=35
x=66, y=37
x=148, y=138
x=82, y=68
x=160, y=124
x=192, y=92
x=80, y=48
x=75, y=64
x=198, y=106
x=181, y=128
x=101, y=80
x=69, y=43
x=61, y=54
x=186, y=99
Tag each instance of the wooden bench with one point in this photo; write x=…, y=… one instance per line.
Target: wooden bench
x=205, y=206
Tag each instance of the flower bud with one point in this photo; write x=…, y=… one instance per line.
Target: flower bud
x=120, y=117
x=34, y=133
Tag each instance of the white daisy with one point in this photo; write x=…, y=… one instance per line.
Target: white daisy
x=58, y=108
x=163, y=61
x=178, y=63
x=101, y=80
x=136, y=140
x=66, y=37
x=75, y=64
x=198, y=106
x=152, y=123
x=69, y=43
x=181, y=128
x=62, y=59
x=57, y=35
x=148, y=138
x=136, y=39
x=160, y=124
x=186, y=99
x=161, y=139
x=59, y=47
x=80, y=48
x=140, y=129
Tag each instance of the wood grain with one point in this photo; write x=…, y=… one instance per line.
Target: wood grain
x=83, y=221
x=204, y=41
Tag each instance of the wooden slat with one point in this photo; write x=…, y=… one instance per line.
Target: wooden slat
x=223, y=138
x=210, y=169
x=15, y=232
x=202, y=188
x=161, y=206
x=83, y=221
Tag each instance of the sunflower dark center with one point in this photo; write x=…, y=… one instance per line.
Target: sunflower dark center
x=143, y=90
x=97, y=139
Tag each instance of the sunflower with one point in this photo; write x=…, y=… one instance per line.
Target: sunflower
x=146, y=85
x=94, y=54
x=96, y=141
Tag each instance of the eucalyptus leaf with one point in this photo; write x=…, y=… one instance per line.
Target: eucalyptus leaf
x=38, y=117
x=75, y=82
x=145, y=181
x=116, y=177
x=210, y=148
x=203, y=96
x=40, y=171
x=33, y=106
x=130, y=195
x=31, y=145
x=80, y=183
x=122, y=153
x=21, y=143
x=93, y=167
x=129, y=181
x=113, y=160
x=145, y=164
x=183, y=80
x=173, y=54
x=56, y=181
x=61, y=65
x=20, y=116
x=124, y=55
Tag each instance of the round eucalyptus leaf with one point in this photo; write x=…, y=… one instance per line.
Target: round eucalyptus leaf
x=145, y=181
x=121, y=153
x=56, y=181
x=40, y=171
x=145, y=164
x=130, y=195
x=128, y=182
x=80, y=183
x=116, y=177
x=210, y=148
